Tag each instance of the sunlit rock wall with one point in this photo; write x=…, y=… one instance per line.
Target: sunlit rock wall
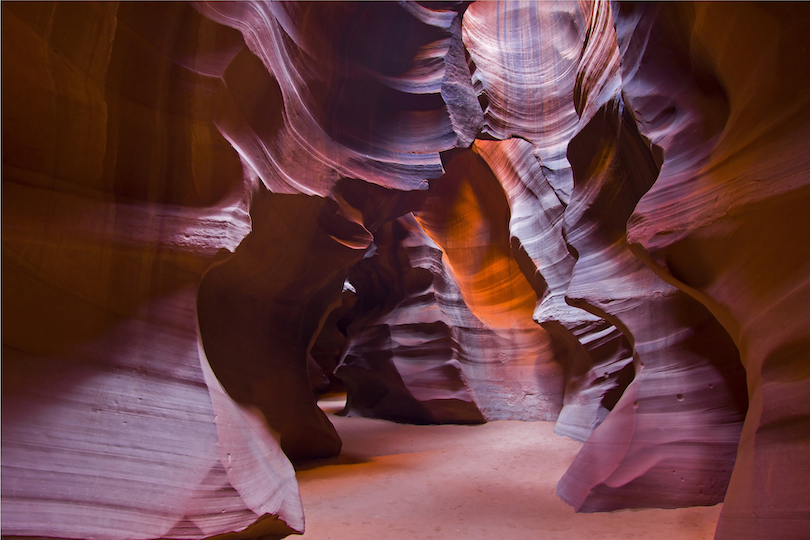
x=595, y=355
x=433, y=322
x=528, y=60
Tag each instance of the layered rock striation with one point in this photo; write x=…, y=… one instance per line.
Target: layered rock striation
x=583, y=212
x=430, y=316
x=118, y=193
x=678, y=422
x=402, y=360
x=595, y=355
x=725, y=221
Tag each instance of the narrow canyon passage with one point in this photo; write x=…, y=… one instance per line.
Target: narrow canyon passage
x=556, y=254
x=495, y=480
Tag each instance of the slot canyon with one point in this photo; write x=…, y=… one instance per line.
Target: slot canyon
x=585, y=222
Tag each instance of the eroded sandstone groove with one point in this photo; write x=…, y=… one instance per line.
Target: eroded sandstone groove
x=588, y=213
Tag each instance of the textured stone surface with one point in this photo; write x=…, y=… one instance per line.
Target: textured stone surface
x=417, y=352
x=588, y=212
x=677, y=424
x=120, y=192
x=402, y=359
x=117, y=194
x=530, y=74
x=593, y=352
x=274, y=294
x=525, y=55
x=363, y=88
x=467, y=215
x=732, y=117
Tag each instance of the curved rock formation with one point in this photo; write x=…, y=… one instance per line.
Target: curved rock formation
x=417, y=352
x=525, y=56
x=118, y=192
x=402, y=358
x=736, y=239
x=361, y=90
x=677, y=424
x=312, y=112
x=594, y=353
x=261, y=310
x=530, y=72
x=588, y=212
x=467, y=215
x=137, y=154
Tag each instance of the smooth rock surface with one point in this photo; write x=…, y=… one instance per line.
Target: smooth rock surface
x=732, y=117
x=416, y=352
x=592, y=213
x=118, y=192
x=467, y=215
x=360, y=91
x=678, y=422
x=594, y=354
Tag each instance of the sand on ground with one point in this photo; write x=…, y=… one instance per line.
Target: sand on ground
x=491, y=481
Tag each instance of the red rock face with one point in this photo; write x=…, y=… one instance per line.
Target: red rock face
x=436, y=316
x=737, y=166
x=118, y=194
x=593, y=352
x=679, y=418
x=403, y=356
x=371, y=91
x=587, y=213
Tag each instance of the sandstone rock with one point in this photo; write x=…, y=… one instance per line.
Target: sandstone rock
x=439, y=330
x=525, y=56
x=513, y=47
x=467, y=215
x=261, y=310
x=401, y=361
x=726, y=221
x=328, y=346
x=592, y=351
x=671, y=438
x=416, y=352
x=362, y=87
x=118, y=192
x=186, y=188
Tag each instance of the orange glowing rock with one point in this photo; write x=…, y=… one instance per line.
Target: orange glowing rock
x=467, y=215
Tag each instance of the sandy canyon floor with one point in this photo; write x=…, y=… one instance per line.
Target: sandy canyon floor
x=495, y=480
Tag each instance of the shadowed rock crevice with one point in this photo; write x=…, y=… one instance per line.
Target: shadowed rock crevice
x=261, y=310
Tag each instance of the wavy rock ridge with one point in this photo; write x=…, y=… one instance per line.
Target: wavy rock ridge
x=591, y=213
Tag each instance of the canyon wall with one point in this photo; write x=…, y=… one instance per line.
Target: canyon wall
x=118, y=194
x=587, y=213
x=725, y=220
